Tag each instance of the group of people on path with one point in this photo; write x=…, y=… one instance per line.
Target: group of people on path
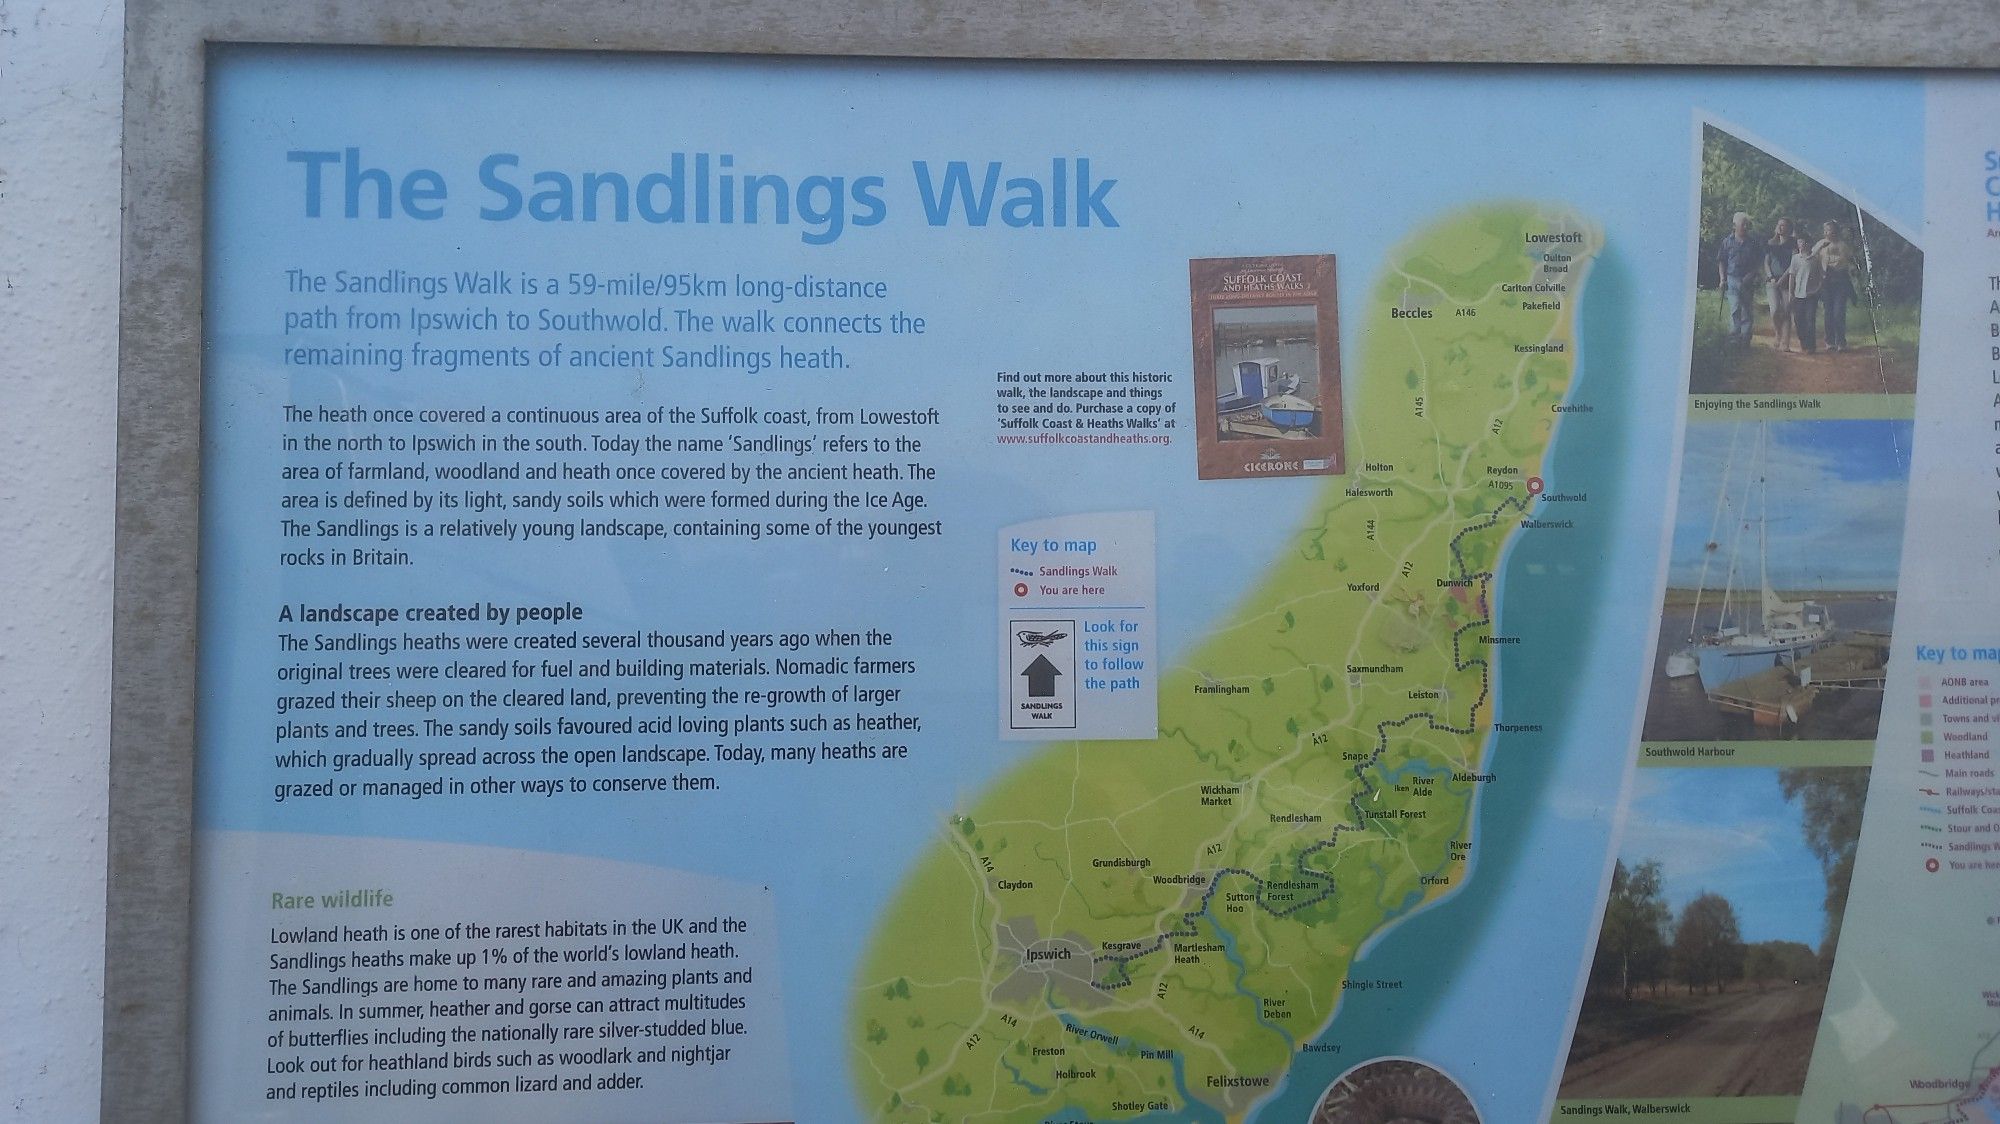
x=1798, y=277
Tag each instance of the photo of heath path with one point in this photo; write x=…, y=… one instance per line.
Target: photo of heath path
x=1721, y=925
x=1799, y=290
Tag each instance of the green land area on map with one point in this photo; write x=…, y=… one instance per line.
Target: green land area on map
x=1118, y=928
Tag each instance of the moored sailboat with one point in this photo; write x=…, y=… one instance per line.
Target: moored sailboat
x=1753, y=629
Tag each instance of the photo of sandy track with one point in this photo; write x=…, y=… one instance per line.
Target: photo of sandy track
x=1709, y=977
x=1741, y=1044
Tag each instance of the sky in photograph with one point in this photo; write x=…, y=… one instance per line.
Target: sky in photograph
x=1832, y=503
x=1731, y=832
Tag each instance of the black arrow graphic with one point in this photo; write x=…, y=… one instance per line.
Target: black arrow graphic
x=1041, y=678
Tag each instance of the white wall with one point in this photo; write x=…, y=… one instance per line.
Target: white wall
x=60, y=91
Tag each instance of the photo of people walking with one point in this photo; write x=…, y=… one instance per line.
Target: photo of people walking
x=1794, y=266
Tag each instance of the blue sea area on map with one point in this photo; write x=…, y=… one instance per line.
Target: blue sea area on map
x=1527, y=833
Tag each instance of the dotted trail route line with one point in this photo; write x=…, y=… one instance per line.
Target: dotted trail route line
x=1122, y=976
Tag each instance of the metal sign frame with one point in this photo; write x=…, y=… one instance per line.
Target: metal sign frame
x=168, y=48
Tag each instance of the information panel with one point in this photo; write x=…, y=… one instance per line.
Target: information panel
x=751, y=590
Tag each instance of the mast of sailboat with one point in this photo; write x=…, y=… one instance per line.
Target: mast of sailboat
x=1763, y=533
x=1735, y=555
x=1714, y=524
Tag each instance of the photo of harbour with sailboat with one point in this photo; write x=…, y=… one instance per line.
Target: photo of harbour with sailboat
x=1781, y=588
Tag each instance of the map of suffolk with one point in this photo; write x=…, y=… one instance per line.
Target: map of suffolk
x=1156, y=928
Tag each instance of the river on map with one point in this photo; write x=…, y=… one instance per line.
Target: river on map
x=1496, y=1022
x=1679, y=710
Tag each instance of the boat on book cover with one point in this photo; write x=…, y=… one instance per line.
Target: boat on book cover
x=1261, y=389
